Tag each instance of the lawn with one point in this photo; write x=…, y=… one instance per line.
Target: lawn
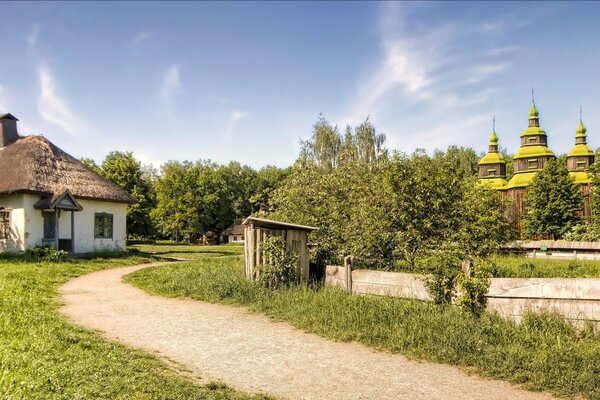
x=521, y=267
x=43, y=356
x=541, y=353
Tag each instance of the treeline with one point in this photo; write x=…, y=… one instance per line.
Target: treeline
x=389, y=210
x=187, y=199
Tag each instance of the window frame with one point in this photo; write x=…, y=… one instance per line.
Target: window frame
x=5, y=224
x=105, y=217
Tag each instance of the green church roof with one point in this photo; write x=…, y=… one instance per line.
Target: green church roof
x=533, y=112
x=533, y=131
x=492, y=158
x=533, y=151
x=580, y=131
x=494, y=138
x=581, y=150
x=494, y=183
x=580, y=177
x=520, y=180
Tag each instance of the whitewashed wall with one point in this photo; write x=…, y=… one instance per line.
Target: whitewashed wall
x=84, y=226
x=15, y=204
x=27, y=227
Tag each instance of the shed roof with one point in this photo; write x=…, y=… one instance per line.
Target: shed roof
x=33, y=164
x=270, y=224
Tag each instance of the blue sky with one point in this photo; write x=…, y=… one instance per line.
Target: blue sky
x=246, y=81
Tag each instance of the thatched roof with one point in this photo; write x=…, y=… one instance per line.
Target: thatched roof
x=34, y=165
x=236, y=229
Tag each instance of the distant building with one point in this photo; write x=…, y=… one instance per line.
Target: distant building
x=531, y=158
x=234, y=233
x=49, y=198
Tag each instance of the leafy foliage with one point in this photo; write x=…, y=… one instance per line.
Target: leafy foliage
x=441, y=284
x=49, y=254
x=279, y=270
x=552, y=202
x=472, y=287
x=386, y=210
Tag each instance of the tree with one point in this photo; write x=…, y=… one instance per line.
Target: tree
x=552, y=202
x=324, y=145
x=125, y=171
x=176, y=213
x=91, y=164
x=266, y=180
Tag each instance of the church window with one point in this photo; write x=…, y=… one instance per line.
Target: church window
x=533, y=140
x=532, y=164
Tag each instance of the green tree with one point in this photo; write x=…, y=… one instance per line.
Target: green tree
x=124, y=170
x=552, y=202
x=176, y=213
x=91, y=164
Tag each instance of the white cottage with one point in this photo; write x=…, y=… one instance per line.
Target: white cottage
x=49, y=198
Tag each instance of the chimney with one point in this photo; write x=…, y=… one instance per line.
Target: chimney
x=8, y=130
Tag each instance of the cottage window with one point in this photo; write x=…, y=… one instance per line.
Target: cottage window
x=49, y=224
x=103, y=226
x=4, y=223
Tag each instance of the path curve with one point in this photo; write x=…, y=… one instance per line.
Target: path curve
x=254, y=354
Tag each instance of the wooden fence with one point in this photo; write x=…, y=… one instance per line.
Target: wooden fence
x=575, y=299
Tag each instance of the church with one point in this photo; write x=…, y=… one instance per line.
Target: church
x=531, y=158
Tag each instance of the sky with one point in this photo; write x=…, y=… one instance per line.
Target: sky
x=246, y=81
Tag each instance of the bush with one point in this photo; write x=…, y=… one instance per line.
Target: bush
x=473, y=288
x=47, y=254
x=441, y=284
x=280, y=267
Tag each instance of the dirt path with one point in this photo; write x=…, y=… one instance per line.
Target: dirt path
x=251, y=353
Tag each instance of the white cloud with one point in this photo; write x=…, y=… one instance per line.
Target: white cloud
x=171, y=84
x=481, y=72
x=492, y=26
x=33, y=37
x=500, y=51
x=237, y=115
x=234, y=117
x=141, y=37
x=53, y=108
x=407, y=67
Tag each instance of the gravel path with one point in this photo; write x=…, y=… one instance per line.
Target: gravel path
x=254, y=354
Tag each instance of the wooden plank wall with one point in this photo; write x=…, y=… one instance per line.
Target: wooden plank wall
x=575, y=299
x=254, y=255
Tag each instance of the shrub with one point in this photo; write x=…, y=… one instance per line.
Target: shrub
x=279, y=270
x=441, y=283
x=473, y=288
x=47, y=254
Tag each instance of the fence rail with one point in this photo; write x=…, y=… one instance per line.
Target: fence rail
x=575, y=299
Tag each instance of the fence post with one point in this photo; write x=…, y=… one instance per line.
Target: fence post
x=348, y=269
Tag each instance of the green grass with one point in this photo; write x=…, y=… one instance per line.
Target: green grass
x=541, y=353
x=521, y=267
x=42, y=356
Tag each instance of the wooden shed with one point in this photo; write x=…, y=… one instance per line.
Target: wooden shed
x=296, y=238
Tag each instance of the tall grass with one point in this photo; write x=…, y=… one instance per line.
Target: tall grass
x=541, y=353
x=43, y=356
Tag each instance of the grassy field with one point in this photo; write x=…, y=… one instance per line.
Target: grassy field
x=42, y=356
x=520, y=267
x=541, y=353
